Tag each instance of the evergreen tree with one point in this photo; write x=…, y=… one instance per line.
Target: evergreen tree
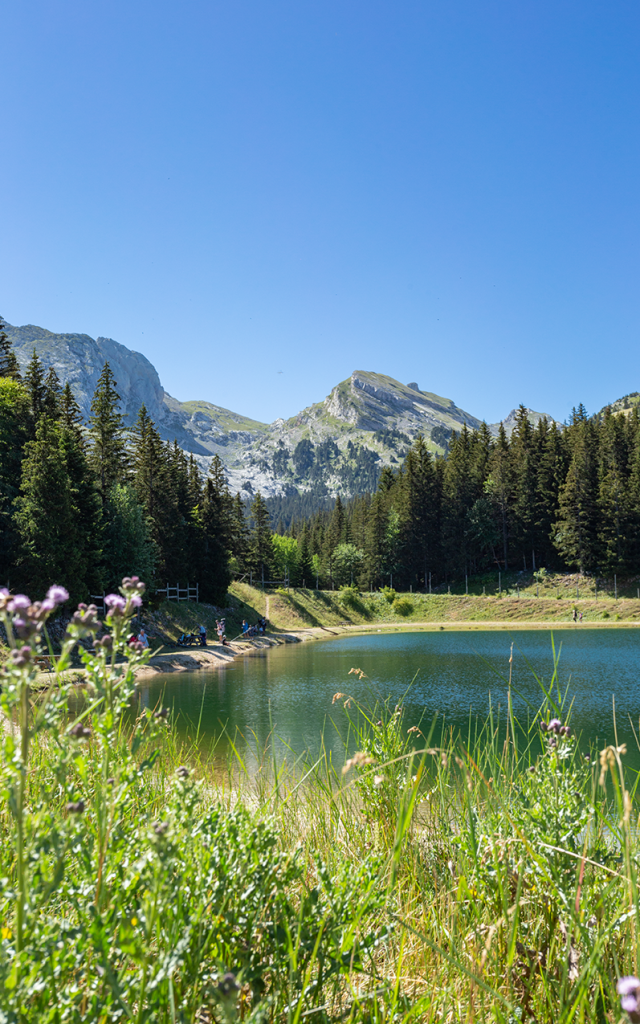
x=498, y=488
x=523, y=500
x=34, y=380
x=613, y=510
x=52, y=401
x=238, y=536
x=261, y=549
x=108, y=453
x=8, y=360
x=305, y=564
x=57, y=515
x=15, y=429
x=70, y=414
x=575, y=532
x=153, y=482
x=215, y=522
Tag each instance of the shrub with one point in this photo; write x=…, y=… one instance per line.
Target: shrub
x=605, y=615
x=389, y=594
x=404, y=606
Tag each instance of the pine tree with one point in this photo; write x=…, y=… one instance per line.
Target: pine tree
x=34, y=380
x=108, y=453
x=498, y=487
x=575, y=531
x=305, y=565
x=260, y=551
x=154, y=483
x=52, y=401
x=70, y=413
x=613, y=510
x=523, y=500
x=57, y=515
x=15, y=430
x=8, y=360
x=215, y=521
x=239, y=535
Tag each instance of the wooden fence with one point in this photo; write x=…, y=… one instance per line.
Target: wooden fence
x=179, y=593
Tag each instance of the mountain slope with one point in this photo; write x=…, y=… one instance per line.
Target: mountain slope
x=338, y=445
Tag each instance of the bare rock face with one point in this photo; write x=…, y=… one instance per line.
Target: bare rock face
x=372, y=401
x=79, y=359
x=336, y=446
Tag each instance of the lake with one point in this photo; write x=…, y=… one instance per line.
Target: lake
x=457, y=674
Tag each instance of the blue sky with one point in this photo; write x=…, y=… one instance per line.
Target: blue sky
x=445, y=192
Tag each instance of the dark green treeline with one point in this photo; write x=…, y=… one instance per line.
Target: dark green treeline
x=559, y=498
x=84, y=505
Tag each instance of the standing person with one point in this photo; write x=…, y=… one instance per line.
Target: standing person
x=203, y=636
x=220, y=629
x=574, y=615
x=245, y=627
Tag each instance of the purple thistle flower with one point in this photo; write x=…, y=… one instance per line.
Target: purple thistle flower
x=555, y=724
x=135, y=601
x=115, y=603
x=21, y=603
x=58, y=595
x=629, y=992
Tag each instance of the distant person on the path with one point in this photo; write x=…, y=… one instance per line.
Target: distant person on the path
x=580, y=616
x=574, y=615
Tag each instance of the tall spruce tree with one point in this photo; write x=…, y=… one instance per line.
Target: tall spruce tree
x=8, y=361
x=215, y=522
x=57, y=515
x=107, y=447
x=34, y=381
x=260, y=549
x=15, y=430
x=575, y=530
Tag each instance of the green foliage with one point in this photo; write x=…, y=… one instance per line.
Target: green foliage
x=285, y=557
x=107, y=449
x=58, y=515
x=404, y=606
x=127, y=890
x=389, y=594
x=128, y=547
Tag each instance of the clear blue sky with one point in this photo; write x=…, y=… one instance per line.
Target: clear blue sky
x=444, y=191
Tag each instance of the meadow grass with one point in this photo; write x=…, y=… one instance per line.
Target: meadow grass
x=431, y=877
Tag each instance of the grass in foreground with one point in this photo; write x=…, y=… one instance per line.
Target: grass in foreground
x=491, y=880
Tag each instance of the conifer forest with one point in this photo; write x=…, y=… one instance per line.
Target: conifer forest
x=83, y=504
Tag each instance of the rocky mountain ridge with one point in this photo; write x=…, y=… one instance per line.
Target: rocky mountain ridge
x=338, y=445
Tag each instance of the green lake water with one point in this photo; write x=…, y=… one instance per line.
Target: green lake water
x=289, y=689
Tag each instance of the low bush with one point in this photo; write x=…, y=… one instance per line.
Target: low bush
x=389, y=594
x=404, y=606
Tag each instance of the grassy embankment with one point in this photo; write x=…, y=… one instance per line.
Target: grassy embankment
x=438, y=880
x=522, y=602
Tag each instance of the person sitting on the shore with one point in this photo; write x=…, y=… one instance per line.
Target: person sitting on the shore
x=143, y=638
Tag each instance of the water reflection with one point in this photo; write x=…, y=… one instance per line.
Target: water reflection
x=289, y=689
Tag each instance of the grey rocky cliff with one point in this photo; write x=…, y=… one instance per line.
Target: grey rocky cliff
x=338, y=445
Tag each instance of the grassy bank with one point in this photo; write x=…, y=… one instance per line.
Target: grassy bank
x=436, y=879
x=299, y=609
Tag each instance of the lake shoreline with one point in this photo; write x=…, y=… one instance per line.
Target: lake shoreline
x=218, y=656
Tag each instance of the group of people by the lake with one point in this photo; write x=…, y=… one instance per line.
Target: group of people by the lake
x=576, y=616
x=259, y=629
